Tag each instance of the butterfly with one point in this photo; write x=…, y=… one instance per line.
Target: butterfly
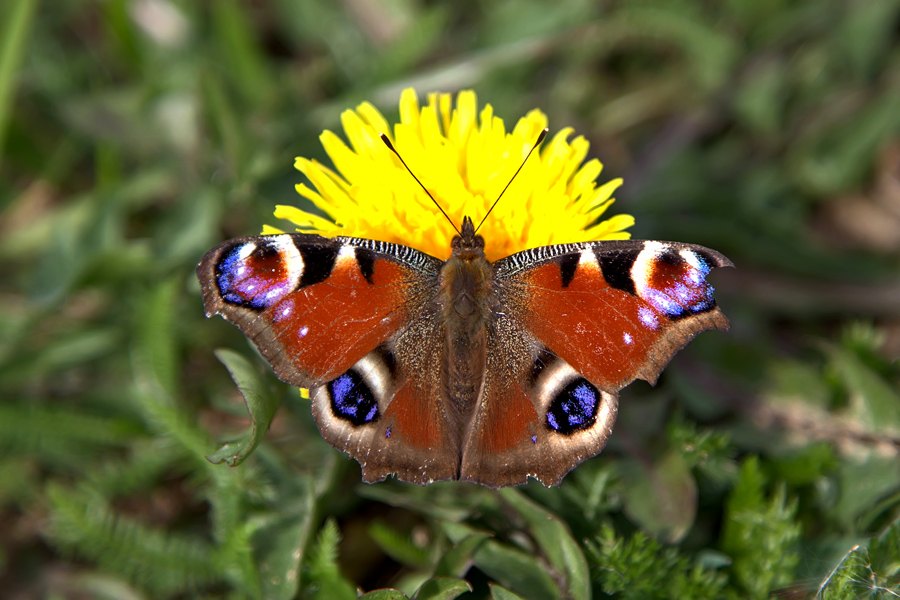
x=489, y=372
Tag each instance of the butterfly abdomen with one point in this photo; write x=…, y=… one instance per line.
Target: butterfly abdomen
x=467, y=299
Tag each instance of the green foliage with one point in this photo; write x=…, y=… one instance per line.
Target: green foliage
x=640, y=567
x=261, y=404
x=760, y=534
x=867, y=573
x=442, y=588
x=660, y=495
x=158, y=561
x=325, y=579
x=17, y=23
x=553, y=539
x=398, y=545
x=135, y=135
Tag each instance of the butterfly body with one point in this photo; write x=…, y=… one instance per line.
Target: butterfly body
x=463, y=369
x=466, y=303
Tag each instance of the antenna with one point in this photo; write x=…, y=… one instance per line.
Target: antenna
x=540, y=139
x=390, y=146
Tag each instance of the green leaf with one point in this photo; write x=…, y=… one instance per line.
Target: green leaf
x=759, y=99
x=443, y=588
x=556, y=543
x=516, y=570
x=17, y=18
x=797, y=381
x=156, y=353
x=261, y=404
x=282, y=537
x=850, y=579
x=874, y=402
x=68, y=351
x=155, y=379
x=640, y=568
x=147, y=462
x=862, y=483
x=501, y=593
x=865, y=36
x=457, y=560
x=244, y=62
x=837, y=157
x=62, y=435
x=885, y=555
x=441, y=501
x=384, y=594
x=228, y=123
x=162, y=562
x=398, y=546
x=710, y=53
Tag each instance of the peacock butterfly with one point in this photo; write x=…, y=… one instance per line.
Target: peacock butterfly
x=463, y=369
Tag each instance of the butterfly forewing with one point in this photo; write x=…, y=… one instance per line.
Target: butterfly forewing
x=617, y=310
x=314, y=306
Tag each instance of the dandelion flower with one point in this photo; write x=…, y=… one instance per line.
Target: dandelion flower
x=464, y=158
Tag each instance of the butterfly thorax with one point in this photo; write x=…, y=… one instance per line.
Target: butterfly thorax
x=466, y=302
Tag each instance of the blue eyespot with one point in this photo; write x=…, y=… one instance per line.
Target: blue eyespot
x=352, y=400
x=574, y=408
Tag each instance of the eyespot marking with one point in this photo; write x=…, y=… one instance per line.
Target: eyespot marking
x=672, y=282
x=258, y=274
x=574, y=408
x=352, y=400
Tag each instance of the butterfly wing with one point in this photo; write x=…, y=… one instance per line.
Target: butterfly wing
x=351, y=319
x=388, y=411
x=314, y=306
x=578, y=323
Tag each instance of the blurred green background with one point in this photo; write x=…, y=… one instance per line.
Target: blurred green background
x=137, y=134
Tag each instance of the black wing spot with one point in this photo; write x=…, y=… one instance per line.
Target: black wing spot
x=568, y=264
x=671, y=257
x=616, y=269
x=318, y=262
x=366, y=261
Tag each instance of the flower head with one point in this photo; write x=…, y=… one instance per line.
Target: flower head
x=465, y=159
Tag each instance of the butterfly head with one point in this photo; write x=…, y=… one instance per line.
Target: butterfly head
x=467, y=245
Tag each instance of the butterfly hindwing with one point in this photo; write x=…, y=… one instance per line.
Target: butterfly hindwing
x=388, y=412
x=537, y=417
